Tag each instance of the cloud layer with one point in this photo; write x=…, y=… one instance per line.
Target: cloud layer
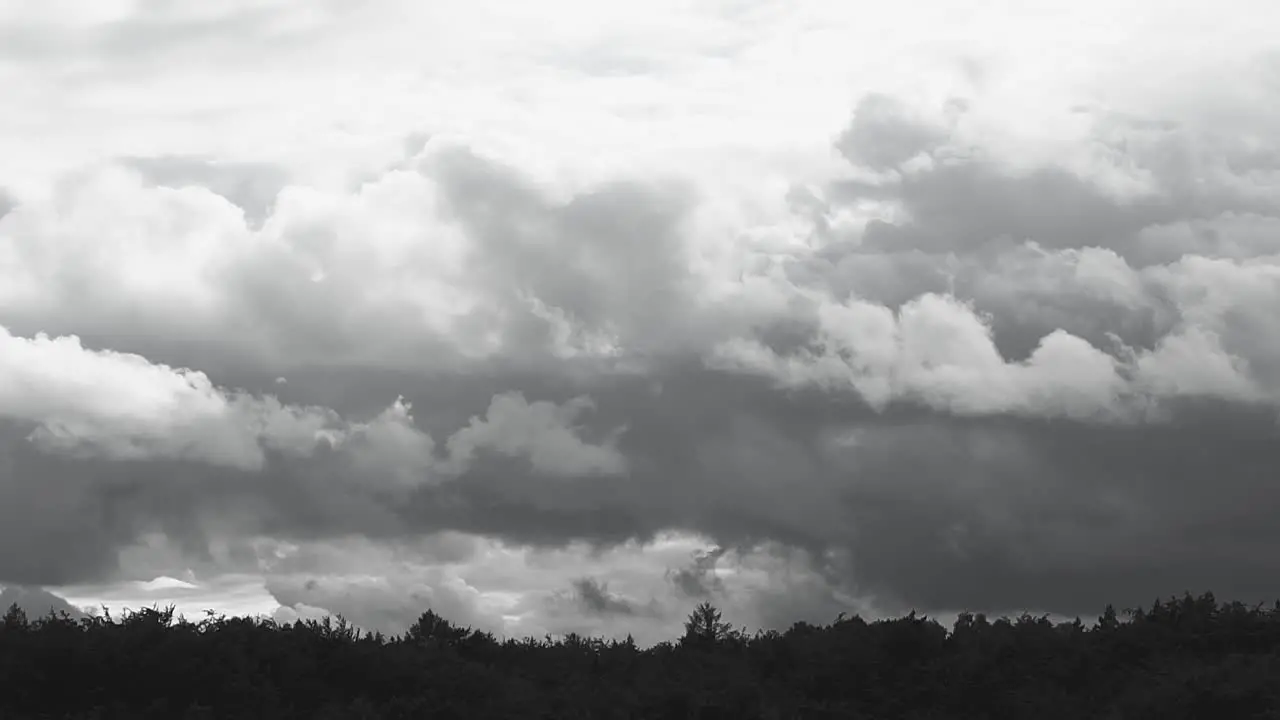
x=986, y=332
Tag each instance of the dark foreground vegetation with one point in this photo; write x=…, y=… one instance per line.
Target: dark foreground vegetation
x=1185, y=658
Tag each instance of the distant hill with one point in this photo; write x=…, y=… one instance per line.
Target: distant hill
x=36, y=602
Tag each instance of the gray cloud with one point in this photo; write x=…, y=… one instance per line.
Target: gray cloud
x=609, y=261
x=932, y=512
x=699, y=580
x=883, y=136
x=596, y=598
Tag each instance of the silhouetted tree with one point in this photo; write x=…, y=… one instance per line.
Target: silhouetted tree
x=15, y=618
x=704, y=627
x=1184, y=658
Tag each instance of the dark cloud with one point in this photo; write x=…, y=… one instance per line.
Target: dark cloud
x=931, y=512
x=698, y=580
x=596, y=598
x=935, y=515
x=1062, y=517
x=51, y=523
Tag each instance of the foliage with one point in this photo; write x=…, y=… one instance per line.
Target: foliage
x=1183, y=658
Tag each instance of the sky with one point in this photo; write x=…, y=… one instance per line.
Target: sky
x=567, y=316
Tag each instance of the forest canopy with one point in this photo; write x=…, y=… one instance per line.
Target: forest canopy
x=1189, y=657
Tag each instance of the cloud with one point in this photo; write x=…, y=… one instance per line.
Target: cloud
x=699, y=580
x=414, y=266
x=120, y=406
x=542, y=431
x=231, y=594
x=519, y=592
x=958, y=276
x=883, y=137
x=379, y=603
x=595, y=597
x=390, y=443
x=937, y=351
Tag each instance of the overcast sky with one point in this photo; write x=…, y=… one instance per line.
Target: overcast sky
x=565, y=316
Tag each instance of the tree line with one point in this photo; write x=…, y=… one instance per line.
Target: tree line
x=1188, y=657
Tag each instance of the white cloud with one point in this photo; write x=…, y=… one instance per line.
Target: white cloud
x=108, y=252
x=121, y=406
x=327, y=88
x=938, y=351
x=1193, y=363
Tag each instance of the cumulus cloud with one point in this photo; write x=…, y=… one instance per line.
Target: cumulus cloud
x=120, y=406
x=542, y=431
x=935, y=350
x=391, y=443
x=414, y=267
